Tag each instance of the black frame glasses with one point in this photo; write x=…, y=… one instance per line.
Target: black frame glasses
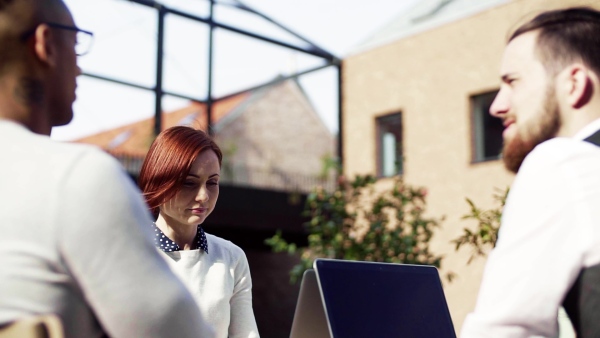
x=84, y=38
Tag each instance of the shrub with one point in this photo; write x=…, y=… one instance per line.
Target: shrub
x=358, y=222
x=484, y=237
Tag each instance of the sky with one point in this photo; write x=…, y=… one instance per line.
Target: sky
x=124, y=48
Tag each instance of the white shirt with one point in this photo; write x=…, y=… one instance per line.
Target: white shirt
x=74, y=241
x=550, y=230
x=221, y=284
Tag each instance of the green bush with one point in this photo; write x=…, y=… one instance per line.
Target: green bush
x=358, y=222
x=485, y=235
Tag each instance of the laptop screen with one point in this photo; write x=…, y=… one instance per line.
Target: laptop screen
x=364, y=299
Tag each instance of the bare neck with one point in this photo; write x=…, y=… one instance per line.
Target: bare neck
x=21, y=102
x=576, y=119
x=181, y=234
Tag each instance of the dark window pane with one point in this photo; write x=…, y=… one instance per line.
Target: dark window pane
x=389, y=145
x=486, y=129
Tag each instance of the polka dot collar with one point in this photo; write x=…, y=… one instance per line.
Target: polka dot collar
x=165, y=244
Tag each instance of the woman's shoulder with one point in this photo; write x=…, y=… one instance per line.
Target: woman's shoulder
x=220, y=245
x=225, y=251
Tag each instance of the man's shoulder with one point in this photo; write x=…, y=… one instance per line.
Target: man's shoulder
x=562, y=143
x=17, y=139
x=561, y=149
x=560, y=155
x=51, y=159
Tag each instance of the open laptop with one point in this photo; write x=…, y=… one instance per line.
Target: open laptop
x=366, y=299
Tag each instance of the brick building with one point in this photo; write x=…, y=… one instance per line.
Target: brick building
x=271, y=138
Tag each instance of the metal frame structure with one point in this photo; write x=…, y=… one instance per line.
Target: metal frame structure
x=159, y=92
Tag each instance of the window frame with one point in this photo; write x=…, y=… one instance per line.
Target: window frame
x=381, y=120
x=478, y=114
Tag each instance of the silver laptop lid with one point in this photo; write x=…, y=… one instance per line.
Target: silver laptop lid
x=309, y=318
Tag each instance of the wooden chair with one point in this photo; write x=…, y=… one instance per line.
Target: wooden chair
x=45, y=326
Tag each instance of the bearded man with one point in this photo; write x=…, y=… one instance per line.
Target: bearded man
x=74, y=240
x=548, y=252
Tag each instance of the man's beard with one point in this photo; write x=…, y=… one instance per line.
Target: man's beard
x=546, y=127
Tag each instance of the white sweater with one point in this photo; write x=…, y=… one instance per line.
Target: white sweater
x=220, y=281
x=74, y=242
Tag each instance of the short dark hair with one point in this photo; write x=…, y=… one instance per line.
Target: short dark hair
x=169, y=161
x=565, y=36
x=17, y=17
x=5, y=3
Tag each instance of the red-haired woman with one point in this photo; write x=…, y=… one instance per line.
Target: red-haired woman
x=180, y=181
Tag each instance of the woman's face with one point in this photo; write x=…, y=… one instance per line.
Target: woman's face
x=198, y=195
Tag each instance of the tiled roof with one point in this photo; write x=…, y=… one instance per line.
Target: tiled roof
x=135, y=139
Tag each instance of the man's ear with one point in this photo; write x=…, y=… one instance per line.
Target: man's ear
x=44, y=44
x=579, y=85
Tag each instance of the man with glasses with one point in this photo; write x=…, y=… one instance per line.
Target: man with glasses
x=74, y=240
x=83, y=38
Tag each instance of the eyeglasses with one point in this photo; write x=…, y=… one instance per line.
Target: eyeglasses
x=84, y=38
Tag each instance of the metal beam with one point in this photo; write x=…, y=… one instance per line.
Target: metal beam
x=245, y=7
x=315, y=51
x=113, y=80
x=209, y=99
x=340, y=138
x=158, y=92
x=277, y=80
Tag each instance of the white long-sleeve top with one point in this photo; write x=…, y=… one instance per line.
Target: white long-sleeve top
x=550, y=230
x=74, y=241
x=221, y=284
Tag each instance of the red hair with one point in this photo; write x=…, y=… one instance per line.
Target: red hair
x=168, y=163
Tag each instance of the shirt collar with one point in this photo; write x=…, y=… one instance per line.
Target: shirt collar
x=588, y=130
x=165, y=244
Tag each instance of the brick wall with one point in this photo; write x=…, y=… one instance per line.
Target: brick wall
x=278, y=131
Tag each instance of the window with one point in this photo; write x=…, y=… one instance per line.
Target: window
x=486, y=129
x=389, y=145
